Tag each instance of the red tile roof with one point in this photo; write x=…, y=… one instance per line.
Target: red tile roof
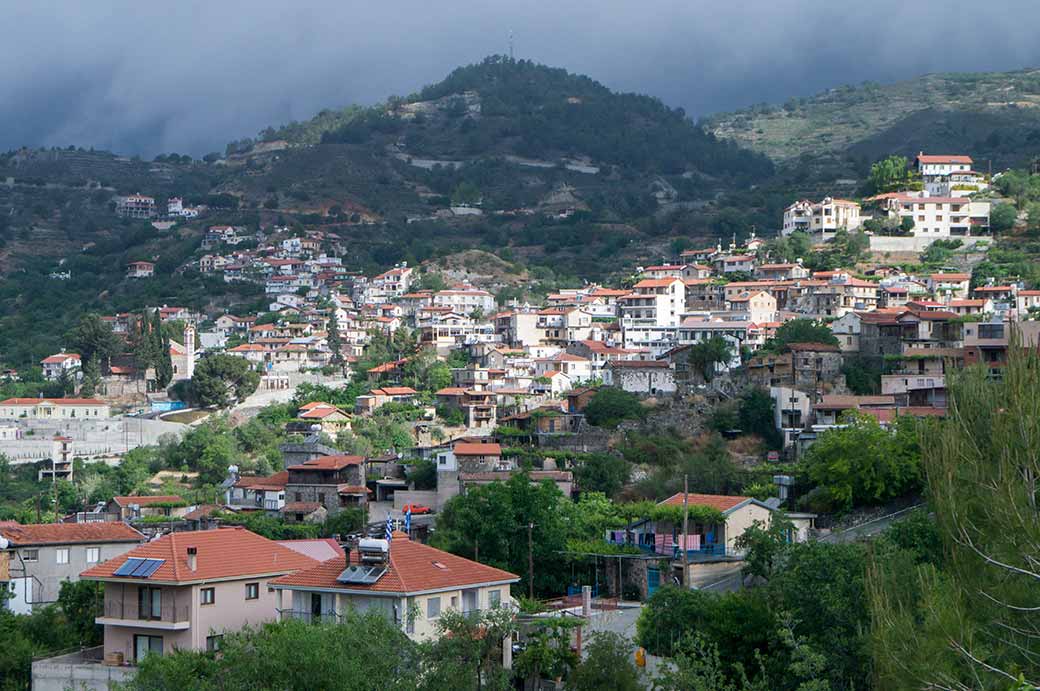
x=721, y=502
x=221, y=553
x=272, y=482
x=328, y=463
x=69, y=533
x=414, y=568
x=464, y=449
x=655, y=283
x=943, y=158
x=53, y=401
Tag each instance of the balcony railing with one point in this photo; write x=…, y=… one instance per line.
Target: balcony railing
x=310, y=617
x=169, y=612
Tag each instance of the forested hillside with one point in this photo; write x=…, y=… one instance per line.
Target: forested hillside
x=991, y=114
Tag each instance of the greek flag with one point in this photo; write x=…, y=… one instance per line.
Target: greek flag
x=408, y=520
x=389, y=528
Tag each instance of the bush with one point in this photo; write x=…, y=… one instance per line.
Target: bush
x=610, y=406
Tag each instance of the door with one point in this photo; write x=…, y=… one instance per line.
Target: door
x=315, y=606
x=653, y=580
x=145, y=645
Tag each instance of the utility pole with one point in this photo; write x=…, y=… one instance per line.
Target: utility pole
x=685, y=529
x=530, y=561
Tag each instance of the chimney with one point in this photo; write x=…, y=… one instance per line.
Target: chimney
x=193, y=558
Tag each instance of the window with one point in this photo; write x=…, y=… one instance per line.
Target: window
x=31, y=555
x=494, y=598
x=62, y=555
x=299, y=496
x=321, y=498
x=147, y=645
x=252, y=591
x=93, y=555
x=433, y=608
x=213, y=643
x=208, y=596
x=149, y=603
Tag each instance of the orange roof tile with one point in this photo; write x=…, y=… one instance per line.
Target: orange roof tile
x=224, y=553
x=414, y=568
x=721, y=502
x=328, y=463
x=69, y=533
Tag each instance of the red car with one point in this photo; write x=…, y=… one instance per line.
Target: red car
x=416, y=509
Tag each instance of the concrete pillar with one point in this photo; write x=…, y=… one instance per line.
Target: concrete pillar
x=507, y=652
x=586, y=601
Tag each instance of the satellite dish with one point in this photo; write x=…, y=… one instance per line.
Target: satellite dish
x=4, y=542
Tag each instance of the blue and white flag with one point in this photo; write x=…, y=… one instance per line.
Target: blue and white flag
x=408, y=520
x=389, y=527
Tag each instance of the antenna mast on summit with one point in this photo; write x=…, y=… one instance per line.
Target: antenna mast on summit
x=510, y=44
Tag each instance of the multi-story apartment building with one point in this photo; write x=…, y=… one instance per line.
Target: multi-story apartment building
x=466, y=300
x=821, y=219
x=410, y=583
x=36, y=559
x=135, y=206
x=938, y=217
x=187, y=589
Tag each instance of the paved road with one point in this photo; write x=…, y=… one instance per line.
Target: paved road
x=870, y=528
x=623, y=621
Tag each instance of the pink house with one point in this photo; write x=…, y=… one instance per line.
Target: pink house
x=186, y=589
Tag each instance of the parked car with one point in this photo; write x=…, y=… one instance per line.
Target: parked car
x=416, y=509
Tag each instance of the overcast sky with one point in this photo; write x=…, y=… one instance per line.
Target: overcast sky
x=148, y=77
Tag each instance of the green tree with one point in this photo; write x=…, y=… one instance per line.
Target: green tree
x=163, y=360
x=607, y=665
x=763, y=544
x=494, y=520
x=800, y=331
x=602, y=472
x=82, y=602
x=706, y=355
x=888, y=175
x=364, y=651
x=466, y=653
x=222, y=380
x=335, y=342
x=93, y=337
x=91, y=379
x=756, y=416
x=1002, y=217
x=863, y=463
x=609, y=406
x=423, y=475
x=969, y=621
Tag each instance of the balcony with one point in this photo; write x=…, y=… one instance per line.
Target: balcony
x=309, y=617
x=173, y=616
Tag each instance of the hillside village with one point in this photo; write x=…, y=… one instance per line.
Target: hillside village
x=340, y=442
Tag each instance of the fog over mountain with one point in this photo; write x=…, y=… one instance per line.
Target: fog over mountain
x=187, y=77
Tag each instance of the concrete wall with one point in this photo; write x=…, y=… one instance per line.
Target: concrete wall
x=72, y=671
x=740, y=520
x=702, y=574
x=231, y=610
x=884, y=243
x=424, y=497
x=90, y=437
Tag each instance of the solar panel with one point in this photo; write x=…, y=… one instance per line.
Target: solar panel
x=128, y=567
x=361, y=575
x=146, y=569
